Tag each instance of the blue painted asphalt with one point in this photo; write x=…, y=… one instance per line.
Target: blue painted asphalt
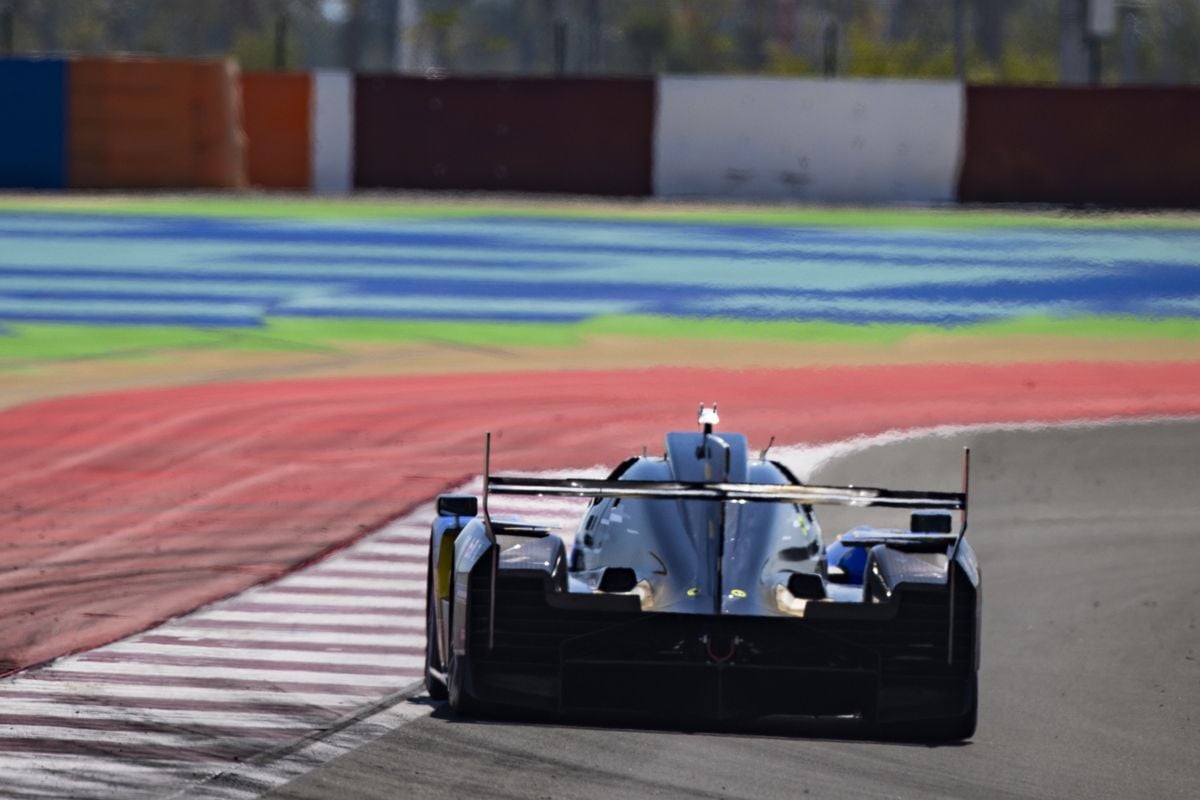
x=222, y=272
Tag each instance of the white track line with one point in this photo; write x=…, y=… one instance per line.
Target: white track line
x=415, y=549
x=266, y=675
x=370, y=603
x=92, y=692
x=233, y=636
x=180, y=739
x=283, y=656
x=351, y=621
x=14, y=710
x=318, y=581
x=65, y=763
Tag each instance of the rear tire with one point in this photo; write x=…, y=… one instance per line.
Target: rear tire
x=460, y=699
x=433, y=662
x=963, y=726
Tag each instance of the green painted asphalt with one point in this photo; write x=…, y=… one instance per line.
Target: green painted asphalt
x=43, y=342
x=373, y=208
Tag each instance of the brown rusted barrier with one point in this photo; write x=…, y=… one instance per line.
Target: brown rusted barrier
x=581, y=135
x=151, y=123
x=277, y=111
x=1135, y=146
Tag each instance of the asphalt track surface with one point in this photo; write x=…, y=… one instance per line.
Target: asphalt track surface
x=1089, y=542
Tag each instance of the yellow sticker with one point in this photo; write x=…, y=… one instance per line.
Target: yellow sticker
x=692, y=592
x=736, y=593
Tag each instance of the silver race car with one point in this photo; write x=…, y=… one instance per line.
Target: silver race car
x=699, y=587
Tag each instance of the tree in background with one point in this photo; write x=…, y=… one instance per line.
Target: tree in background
x=243, y=28
x=1007, y=40
x=700, y=37
x=1167, y=37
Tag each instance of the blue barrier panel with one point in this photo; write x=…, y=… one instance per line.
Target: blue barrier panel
x=33, y=123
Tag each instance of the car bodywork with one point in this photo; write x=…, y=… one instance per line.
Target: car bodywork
x=699, y=586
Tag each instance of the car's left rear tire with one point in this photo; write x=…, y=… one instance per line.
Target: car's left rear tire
x=434, y=685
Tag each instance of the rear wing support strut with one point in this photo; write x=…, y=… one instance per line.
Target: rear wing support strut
x=950, y=566
x=491, y=535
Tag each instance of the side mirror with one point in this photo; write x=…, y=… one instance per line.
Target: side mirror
x=457, y=505
x=930, y=522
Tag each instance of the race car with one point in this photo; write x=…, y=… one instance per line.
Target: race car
x=699, y=587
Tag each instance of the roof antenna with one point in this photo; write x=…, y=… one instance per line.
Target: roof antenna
x=763, y=455
x=707, y=417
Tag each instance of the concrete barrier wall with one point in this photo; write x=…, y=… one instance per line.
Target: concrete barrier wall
x=1121, y=146
x=586, y=136
x=277, y=116
x=333, y=131
x=33, y=123
x=807, y=140
x=150, y=123
x=169, y=123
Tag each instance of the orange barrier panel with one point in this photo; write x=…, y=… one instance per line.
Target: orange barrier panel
x=148, y=123
x=277, y=109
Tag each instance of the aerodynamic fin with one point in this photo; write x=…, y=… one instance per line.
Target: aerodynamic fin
x=856, y=496
x=962, y=531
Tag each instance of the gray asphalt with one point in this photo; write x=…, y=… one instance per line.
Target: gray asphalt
x=1090, y=544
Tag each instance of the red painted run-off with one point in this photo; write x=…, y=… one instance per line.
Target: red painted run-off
x=120, y=510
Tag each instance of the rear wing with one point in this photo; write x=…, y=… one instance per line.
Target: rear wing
x=856, y=496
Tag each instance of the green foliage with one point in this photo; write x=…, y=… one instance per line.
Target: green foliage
x=782, y=61
x=696, y=45
x=872, y=56
x=170, y=27
x=441, y=20
x=647, y=30
x=1018, y=66
x=255, y=50
x=1009, y=40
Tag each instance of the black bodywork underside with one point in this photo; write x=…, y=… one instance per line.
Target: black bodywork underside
x=568, y=654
